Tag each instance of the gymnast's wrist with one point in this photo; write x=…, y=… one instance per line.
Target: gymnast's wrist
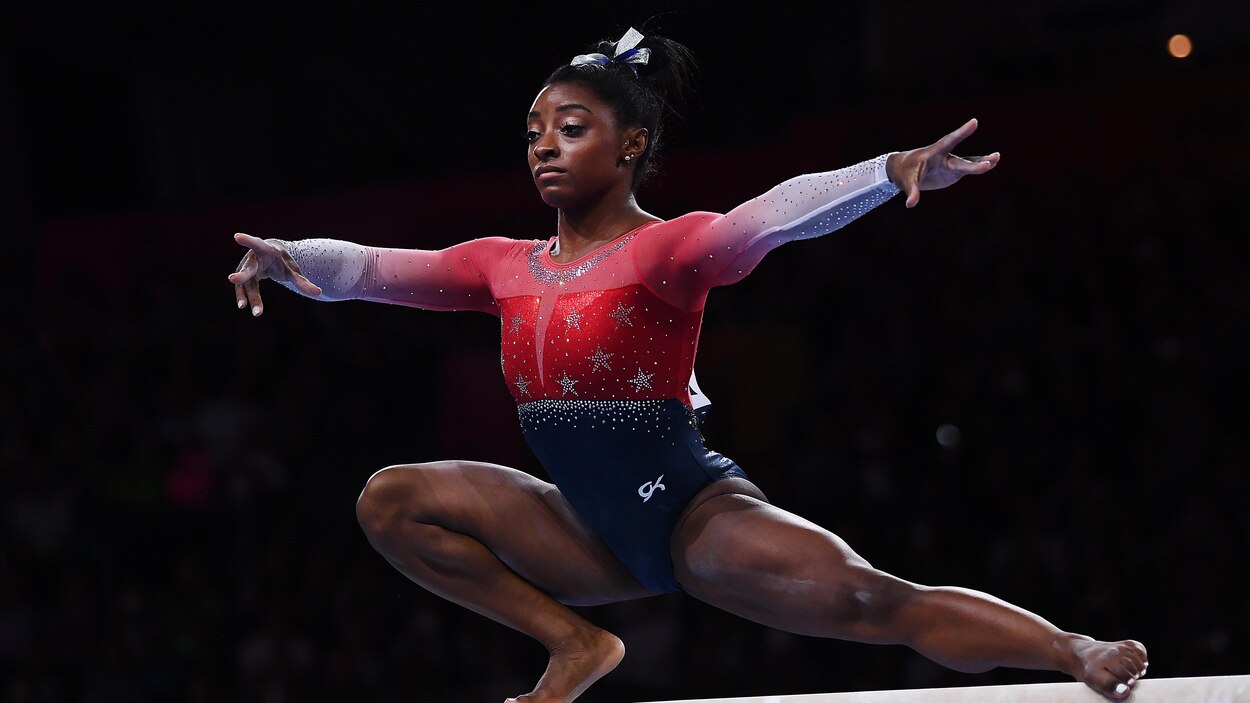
x=892, y=167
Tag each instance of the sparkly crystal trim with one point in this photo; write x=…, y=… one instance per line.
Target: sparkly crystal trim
x=635, y=414
x=557, y=277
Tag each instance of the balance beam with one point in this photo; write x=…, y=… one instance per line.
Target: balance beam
x=1201, y=689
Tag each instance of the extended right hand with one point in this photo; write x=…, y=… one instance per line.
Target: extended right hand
x=934, y=166
x=265, y=259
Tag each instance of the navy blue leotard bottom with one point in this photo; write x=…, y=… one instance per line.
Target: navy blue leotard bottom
x=628, y=468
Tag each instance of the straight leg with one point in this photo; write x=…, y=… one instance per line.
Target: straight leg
x=736, y=551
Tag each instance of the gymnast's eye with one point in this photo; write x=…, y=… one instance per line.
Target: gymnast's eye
x=531, y=135
x=572, y=130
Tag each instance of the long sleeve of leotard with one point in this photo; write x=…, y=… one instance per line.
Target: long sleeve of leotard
x=718, y=249
x=446, y=279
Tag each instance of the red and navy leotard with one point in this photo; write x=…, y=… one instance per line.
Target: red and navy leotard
x=599, y=352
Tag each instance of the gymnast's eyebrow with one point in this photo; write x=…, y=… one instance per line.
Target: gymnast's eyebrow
x=565, y=108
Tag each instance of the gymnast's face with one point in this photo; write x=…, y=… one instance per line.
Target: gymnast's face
x=576, y=149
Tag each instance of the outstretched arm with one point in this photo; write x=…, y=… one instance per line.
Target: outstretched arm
x=454, y=278
x=722, y=249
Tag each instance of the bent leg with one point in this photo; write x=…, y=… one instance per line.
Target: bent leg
x=743, y=555
x=508, y=546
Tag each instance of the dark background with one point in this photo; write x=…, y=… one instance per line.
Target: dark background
x=178, y=479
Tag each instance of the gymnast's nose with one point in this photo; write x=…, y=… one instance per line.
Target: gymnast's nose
x=545, y=147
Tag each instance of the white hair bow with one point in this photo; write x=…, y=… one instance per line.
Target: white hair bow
x=627, y=52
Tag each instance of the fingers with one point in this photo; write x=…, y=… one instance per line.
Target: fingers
x=252, y=289
x=985, y=163
x=243, y=277
x=246, y=279
x=973, y=165
x=913, y=185
x=257, y=264
x=250, y=264
x=247, y=291
x=254, y=243
x=249, y=294
x=248, y=269
x=950, y=141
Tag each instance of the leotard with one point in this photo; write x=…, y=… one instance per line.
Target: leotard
x=599, y=352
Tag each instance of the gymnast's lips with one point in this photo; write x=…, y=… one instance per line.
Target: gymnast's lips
x=548, y=171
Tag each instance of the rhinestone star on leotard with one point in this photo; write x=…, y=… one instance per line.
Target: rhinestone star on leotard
x=641, y=380
x=600, y=358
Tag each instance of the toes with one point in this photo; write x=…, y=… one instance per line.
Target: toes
x=1113, y=668
x=1121, y=690
x=1113, y=680
x=1135, y=655
x=1126, y=670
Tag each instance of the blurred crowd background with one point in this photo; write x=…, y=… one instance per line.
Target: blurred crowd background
x=1034, y=383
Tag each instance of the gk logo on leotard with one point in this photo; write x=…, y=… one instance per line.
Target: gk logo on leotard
x=646, y=489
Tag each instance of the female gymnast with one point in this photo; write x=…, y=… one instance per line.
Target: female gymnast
x=599, y=325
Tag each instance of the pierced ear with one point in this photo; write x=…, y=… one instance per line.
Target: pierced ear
x=635, y=142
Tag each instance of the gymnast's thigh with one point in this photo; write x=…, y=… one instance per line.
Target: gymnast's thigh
x=736, y=551
x=524, y=521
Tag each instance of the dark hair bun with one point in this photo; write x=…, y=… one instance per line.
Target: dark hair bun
x=658, y=59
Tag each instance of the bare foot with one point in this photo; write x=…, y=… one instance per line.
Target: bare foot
x=1110, y=668
x=574, y=666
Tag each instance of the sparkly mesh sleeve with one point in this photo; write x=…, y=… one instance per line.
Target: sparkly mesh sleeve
x=719, y=249
x=454, y=278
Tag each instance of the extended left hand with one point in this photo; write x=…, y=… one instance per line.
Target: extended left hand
x=934, y=166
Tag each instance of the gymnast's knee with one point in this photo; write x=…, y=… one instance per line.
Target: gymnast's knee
x=392, y=496
x=869, y=600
